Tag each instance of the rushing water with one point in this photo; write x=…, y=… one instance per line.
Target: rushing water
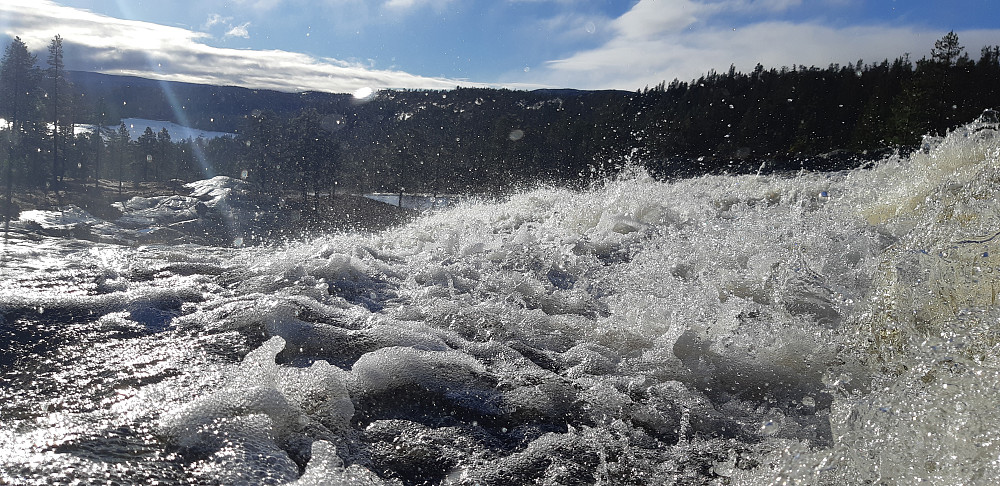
x=819, y=328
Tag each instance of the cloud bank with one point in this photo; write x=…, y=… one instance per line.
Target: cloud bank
x=662, y=40
x=585, y=44
x=109, y=45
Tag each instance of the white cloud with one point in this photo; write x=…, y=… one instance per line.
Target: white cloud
x=772, y=5
x=660, y=40
x=657, y=17
x=261, y=5
x=115, y=46
x=399, y=5
x=570, y=28
x=216, y=19
x=241, y=30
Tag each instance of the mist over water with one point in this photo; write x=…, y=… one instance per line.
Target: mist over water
x=815, y=328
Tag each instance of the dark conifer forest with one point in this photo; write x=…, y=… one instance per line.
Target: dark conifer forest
x=482, y=140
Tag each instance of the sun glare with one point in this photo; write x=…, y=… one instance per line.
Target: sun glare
x=364, y=93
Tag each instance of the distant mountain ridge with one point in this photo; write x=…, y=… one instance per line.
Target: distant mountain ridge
x=200, y=106
x=223, y=108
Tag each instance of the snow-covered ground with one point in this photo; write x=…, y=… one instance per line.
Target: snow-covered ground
x=217, y=211
x=177, y=132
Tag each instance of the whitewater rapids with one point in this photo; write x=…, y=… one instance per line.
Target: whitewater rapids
x=813, y=328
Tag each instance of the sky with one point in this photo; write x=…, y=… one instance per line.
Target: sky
x=344, y=46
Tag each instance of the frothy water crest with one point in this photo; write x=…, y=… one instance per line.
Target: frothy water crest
x=815, y=328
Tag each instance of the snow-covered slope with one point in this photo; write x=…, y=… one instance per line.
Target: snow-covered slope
x=177, y=132
x=136, y=126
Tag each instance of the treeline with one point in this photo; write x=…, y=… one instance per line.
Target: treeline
x=792, y=115
x=44, y=142
x=489, y=140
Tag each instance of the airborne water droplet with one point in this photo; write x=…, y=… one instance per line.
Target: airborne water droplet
x=769, y=427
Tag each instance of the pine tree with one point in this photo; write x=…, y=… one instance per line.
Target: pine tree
x=947, y=49
x=164, y=156
x=102, y=131
x=147, y=146
x=57, y=99
x=19, y=83
x=122, y=142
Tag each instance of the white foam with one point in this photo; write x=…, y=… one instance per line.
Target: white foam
x=809, y=324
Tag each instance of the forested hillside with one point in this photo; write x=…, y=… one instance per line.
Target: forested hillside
x=485, y=140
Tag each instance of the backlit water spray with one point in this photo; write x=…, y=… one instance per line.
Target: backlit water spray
x=817, y=328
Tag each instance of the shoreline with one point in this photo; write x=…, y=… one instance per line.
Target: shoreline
x=289, y=215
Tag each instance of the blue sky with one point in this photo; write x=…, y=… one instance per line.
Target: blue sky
x=344, y=45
